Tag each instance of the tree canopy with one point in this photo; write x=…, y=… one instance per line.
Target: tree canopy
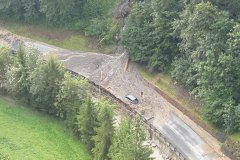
x=94, y=18
x=104, y=132
x=128, y=142
x=198, y=43
x=43, y=84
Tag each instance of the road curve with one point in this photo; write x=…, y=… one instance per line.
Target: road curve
x=189, y=138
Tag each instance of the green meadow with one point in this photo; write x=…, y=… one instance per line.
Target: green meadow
x=29, y=135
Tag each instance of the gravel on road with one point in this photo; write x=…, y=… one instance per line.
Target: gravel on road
x=108, y=71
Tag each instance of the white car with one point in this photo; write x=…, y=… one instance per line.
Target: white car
x=132, y=99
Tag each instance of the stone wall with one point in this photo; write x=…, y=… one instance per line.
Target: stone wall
x=166, y=148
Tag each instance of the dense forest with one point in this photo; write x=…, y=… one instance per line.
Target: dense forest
x=93, y=17
x=198, y=42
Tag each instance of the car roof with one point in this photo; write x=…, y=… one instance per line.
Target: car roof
x=131, y=97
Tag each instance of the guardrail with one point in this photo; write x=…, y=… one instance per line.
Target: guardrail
x=153, y=131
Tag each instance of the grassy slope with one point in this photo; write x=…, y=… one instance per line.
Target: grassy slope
x=163, y=82
x=62, y=38
x=236, y=137
x=27, y=134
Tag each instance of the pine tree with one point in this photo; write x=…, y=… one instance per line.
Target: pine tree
x=128, y=142
x=46, y=80
x=73, y=91
x=87, y=121
x=18, y=83
x=5, y=63
x=104, y=133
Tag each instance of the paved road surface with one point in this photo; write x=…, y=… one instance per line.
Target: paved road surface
x=190, y=139
x=184, y=137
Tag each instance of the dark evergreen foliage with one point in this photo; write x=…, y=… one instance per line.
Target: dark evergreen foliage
x=149, y=37
x=43, y=83
x=130, y=146
x=198, y=40
x=93, y=17
x=87, y=122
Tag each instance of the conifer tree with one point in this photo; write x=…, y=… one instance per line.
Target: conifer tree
x=5, y=63
x=46, y=80
x=128, y=142
x=72, y=93
x=104, y=133
x=18, y=83
x=87, y=121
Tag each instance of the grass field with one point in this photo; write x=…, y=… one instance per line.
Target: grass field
x=59, y=37
x=28, y=135
x=236, y=137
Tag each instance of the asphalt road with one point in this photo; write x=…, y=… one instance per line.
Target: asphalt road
x=189, y=139
x=188, y=142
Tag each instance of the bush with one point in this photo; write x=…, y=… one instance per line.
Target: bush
x=5, y=63
x=232, y=149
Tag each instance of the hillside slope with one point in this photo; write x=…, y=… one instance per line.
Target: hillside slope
x=26, y=134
